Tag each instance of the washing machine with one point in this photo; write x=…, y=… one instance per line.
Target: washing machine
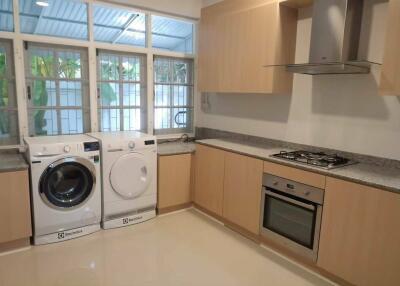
x=129, y=176
x=65, y=176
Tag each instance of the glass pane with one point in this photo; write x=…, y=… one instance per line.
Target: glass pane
x=131, y=68
x=171, y=34
x=109, y=94
x=109, y=67
x=131, y=94
x=132, y=119
x=6, y=16
x=44, y=93
x=162, y=70
x=162, y=95
x=289, y=220
x=162, y=118
x=70, y=93
x=60, y=18
x=110, y=120
x=69, y=65
x=7, y=94
x=45, y=122
x=8, y=127
x=42, y=62
x=71, y=121
x=119, y=26
x=180, y=72
x=180, y=95
x=3, y=62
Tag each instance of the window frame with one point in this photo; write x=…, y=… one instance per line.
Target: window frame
x=121, y=107
x=189, y=99
x=57, y=79
x=19, y=38
x=9, y=76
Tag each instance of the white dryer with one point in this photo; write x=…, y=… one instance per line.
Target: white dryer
x=65, y=186
x=129, y=175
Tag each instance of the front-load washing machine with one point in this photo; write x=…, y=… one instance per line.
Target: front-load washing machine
x=129, y=175
x=65, y=186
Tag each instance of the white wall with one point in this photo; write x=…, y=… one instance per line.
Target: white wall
x=342, y=112
x=187, y=8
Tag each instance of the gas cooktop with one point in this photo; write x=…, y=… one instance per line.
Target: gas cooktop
x=317, y=159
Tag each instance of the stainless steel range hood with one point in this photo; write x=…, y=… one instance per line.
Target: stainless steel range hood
x=335, y=37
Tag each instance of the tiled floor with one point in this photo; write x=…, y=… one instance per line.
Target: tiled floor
x=184, y=248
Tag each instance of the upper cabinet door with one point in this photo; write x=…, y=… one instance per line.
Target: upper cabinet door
x=390, y=77
x=238, y=38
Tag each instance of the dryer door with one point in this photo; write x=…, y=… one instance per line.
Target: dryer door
x=67, y=183
x=130, y=176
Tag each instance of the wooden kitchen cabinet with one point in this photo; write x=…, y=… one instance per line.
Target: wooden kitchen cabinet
x=242, y=191
x=209, y=178
x=15, y=211
x=237, y=38
x=174, y=181
x=360, y=234
x=390, y=76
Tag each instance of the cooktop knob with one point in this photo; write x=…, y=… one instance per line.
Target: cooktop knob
x=67, y=148
x=131, y=145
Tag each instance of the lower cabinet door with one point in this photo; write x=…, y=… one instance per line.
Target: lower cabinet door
x=174, y=180
x=15, y=211
x=360, y=235
x=209, y=178
x=242, y=191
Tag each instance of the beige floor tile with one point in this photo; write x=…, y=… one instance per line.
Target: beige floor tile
x=183, y=248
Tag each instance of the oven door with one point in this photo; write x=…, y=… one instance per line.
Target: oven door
x=291, y=222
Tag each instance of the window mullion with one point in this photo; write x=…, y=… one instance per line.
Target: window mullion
x=121, y=97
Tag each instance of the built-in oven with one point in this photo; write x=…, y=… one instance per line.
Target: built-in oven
x=291, y=215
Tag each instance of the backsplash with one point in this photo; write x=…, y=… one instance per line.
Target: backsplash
x=208, y=133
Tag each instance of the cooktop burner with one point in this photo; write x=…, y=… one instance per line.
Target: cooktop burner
x=317, y=159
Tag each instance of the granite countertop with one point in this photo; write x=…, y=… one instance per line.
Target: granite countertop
x=382, y=177
x=175, y=148
x=10, y=162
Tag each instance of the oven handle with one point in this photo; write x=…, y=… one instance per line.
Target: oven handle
x=304, y=205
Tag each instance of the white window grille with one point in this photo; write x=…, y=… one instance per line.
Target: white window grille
x=58, y=89
x=122, y=96
x=173, y=95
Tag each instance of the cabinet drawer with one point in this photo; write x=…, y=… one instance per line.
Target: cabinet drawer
x=294, y=174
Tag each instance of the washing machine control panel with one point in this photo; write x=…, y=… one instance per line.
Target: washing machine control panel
x=91, y=146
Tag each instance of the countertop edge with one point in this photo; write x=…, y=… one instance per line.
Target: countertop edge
x=305, y=168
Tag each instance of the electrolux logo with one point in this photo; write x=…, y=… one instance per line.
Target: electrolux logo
x=64, y=234
x=130, y=220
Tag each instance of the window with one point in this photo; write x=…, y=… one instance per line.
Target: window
x=58, y=91
x=119, y=26
x=60, y=18
x=173, y=35
x=122, y=91
x=8, y=100
x=173, y=102
x=6, y=16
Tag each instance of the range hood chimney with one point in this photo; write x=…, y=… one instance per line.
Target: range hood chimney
x=335, y=37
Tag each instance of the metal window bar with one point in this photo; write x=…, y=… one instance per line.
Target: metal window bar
x=123, y=82
x=68, y=85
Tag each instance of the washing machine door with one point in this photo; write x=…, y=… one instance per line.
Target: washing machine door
x=67, y=183
x=129, y=176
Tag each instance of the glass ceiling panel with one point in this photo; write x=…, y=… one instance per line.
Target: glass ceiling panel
x=60, y=18
x=172, y=35
x=119, y=26
x=6, y=16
